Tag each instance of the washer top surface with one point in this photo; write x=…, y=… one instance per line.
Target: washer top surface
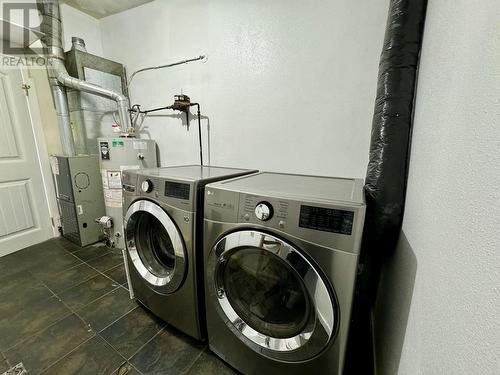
x=192, y=172
x=300, y=187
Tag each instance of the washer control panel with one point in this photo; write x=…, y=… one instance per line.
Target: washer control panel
x=326, y=224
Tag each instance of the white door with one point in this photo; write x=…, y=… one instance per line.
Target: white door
x=24, y=209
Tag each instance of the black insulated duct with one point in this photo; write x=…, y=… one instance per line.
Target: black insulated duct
x=387, y=173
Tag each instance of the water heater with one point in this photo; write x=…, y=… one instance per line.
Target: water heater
x=115, y=156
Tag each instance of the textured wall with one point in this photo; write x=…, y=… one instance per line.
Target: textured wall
x=76, y=23
x=452, y=215
x=288, y=86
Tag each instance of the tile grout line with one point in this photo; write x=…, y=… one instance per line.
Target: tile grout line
x=67, y=269
x=50, y=325
x=196, y=359
x=117, y=319
x=82, y=262
x=95, y=333
x=138, y=350
x=52, y=295
x=147, y=342
x=67, y=354
x=95, y=269
x=125, y=360
x=99, y=273
x=71, y=311
x=117, y=285
x=88, y=260
x=6, y=360
x=74, y=311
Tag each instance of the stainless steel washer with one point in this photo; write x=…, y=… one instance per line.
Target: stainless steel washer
x=281, y=254
x=163, y=211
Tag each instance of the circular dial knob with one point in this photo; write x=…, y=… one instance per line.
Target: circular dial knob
x=263, y=211
x=146, y=186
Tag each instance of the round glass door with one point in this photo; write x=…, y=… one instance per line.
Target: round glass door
x=266, y=293
x=155, y=246
x=271, y=296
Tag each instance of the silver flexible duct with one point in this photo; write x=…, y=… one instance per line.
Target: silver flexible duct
x=59, y=78
x=63, y=120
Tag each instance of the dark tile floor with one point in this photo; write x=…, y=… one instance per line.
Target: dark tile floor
x=66, y=310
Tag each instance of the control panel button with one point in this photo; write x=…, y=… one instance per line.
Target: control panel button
x=147, y=186
x=281, y=224
x=246, y=217
x=264, y=211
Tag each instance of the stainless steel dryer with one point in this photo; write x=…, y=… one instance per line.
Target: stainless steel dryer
x=163, y=217
x=281, y=254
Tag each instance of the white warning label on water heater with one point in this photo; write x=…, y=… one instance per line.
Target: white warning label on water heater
x=126, y=167
x=114, y=179
x=113, y=197
x=140, y=145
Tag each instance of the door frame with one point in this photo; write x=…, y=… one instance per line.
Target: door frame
x=41, y=150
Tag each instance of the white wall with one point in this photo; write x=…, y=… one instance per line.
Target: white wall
x=77, y=23
x=288, y=86
x=452, y=219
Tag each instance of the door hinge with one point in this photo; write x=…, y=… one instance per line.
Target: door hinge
x=26, y=88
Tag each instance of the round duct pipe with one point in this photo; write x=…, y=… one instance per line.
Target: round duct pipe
x=78, y=44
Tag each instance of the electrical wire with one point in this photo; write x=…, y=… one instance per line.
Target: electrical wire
x=201, y=57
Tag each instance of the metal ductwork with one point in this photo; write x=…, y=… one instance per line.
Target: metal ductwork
x=59, y=78
x=78, y=43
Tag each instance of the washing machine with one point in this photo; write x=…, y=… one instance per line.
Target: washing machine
x=281, y=255
x=163, y=217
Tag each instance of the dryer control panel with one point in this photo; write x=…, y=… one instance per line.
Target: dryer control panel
x=255, y=209
x=330, y=225
x=324, y=224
